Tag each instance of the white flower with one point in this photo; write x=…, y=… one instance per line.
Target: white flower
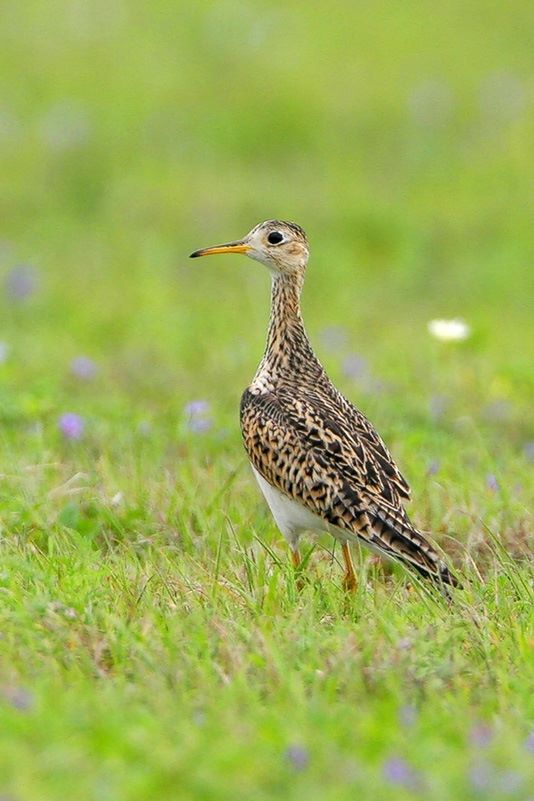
x=449, y=330
x=116, y=500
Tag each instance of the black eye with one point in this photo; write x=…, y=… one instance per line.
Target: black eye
x=275, y=237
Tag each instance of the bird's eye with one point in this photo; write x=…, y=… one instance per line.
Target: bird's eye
x=275, y=237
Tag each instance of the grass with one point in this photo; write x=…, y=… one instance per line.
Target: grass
x=153, y=644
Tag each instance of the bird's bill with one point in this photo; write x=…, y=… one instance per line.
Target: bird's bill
x=230, y=247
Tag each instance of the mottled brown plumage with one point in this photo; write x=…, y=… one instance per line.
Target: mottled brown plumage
x=318, y=460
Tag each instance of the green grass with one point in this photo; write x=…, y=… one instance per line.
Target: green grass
x=153, y=644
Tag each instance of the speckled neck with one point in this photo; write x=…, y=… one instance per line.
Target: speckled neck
x=285, y=302
x=288, y=350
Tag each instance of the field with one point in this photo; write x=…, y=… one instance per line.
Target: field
x=153, y=643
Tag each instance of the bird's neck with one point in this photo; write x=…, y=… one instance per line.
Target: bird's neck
x=285, y=305
x=288, y=349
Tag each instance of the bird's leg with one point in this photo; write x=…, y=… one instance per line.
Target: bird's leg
x=297, y=561
x=349, y=579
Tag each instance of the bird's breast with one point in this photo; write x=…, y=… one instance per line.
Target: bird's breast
x=291, y=516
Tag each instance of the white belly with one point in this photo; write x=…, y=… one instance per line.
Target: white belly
x=290, y=516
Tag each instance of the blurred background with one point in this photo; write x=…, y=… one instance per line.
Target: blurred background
x=150, y=635
x=399, y=135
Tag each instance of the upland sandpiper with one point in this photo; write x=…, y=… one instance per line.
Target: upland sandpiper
x=319, y=462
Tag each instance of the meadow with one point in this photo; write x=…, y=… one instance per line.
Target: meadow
x=153, y=643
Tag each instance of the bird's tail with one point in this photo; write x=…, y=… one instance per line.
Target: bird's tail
x=398, y=539
x=442, y=577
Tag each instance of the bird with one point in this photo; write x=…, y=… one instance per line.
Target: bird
x=319, y=462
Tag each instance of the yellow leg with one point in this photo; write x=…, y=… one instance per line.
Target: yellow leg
x=349, y=579
x=295, y=558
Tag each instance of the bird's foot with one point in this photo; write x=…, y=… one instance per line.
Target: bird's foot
x=349, y=579
x=349, y=582
x=297, y=565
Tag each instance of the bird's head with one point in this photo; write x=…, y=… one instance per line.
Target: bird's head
x=281, y=246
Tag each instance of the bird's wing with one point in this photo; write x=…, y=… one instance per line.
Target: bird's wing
x=301, y=451
x=359, y=430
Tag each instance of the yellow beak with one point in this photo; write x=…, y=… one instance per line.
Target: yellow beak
x=230, y=247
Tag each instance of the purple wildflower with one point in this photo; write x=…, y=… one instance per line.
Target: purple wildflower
x=298, y=757
x=529, y=742
x=528, y=451
x=437, y=406
x=4, y=352
x=510, y=781
x=21, y=282
x=407, y=715
x=19, y=698
x=497, y=411
x=480, y=775
x=333, y=337
x=481, y=735
x=397, y=771
x=492, y=483
x=144, y=428
x=198, y=416
x=355, y=367
x=83, y=367
x=196, y=408
x=199, y=425
x=199, y=717
x=71, y=425
x=433, y=467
